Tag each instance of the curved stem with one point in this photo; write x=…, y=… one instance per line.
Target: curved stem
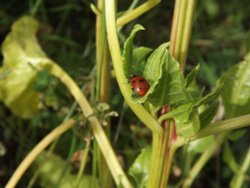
x=83, y=163
x=102, y=89
x=203, y=160
x=37, y=150
x=100, y=136
x=238, y=180
x=114, y=47
x=133, y=14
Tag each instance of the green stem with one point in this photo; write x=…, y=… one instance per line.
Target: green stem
x=103, y=87
x=114, y=47
x=38, y=150
x=186, y=32
x=133, y=14
x=177, y=28
x=203, y=160
x=170, y=149
x=223, y=126
x=181, y=30
x=155, y=164
x=83, y=163
x=238, y=180
x=100, y=136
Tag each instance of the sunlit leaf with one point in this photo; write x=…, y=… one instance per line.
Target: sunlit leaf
x=140, y=168
x=236, y=89
x=22, y=55
x=167, y=84
x=190, y=127
x=140, y=56
x=128, y=52
x=200, y=145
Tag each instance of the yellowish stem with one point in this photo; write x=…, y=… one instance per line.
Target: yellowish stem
x=186, y=32
x=133, y=14
x=114, y=47
x=36, y=151
x=102, y=140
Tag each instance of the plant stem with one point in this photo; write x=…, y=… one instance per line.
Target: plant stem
x=222, y=126
x=186, y=32
x=168, y=157
x=114, y=47
x=133, y=14
x=238, y=180
x=203, y=160
x=37, y=150
x=83, y=163
x=181, y=30
x=103, y=87
x=103, y=69
x=177, y=28
x=155, y=164
x=100, y=136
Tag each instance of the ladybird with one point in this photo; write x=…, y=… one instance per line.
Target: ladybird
x=139, y=85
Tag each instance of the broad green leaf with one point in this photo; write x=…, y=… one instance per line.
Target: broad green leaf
x=236, y=89
x=140, y=168
x=51, y=168
x=190, y=127
x=140, y=56
x=200, y=145
x=186, y=115
x=22, y=55
x=128, y=52
x=167, y=84
x=228, y=158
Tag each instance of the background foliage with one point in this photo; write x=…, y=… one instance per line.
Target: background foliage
x=220, y=39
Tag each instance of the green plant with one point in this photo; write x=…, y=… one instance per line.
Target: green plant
x=174, y=109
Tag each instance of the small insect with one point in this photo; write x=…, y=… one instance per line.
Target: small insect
x=139, y=85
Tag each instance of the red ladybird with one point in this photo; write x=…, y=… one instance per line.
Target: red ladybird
x=139, y=85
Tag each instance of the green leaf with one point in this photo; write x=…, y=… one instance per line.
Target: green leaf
x=167, y=84
x=236, y=89
x=128, y=52
x=192, y=76
x=237, y=134
x=190, y=127
x=22, y=54
x=208, y=113
x=140, y=168
x=191, y=85
x=48, y=163
x=140, y=56
x=209, y=97
x=200, y=145
x=228, y=158
x=181, y=114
